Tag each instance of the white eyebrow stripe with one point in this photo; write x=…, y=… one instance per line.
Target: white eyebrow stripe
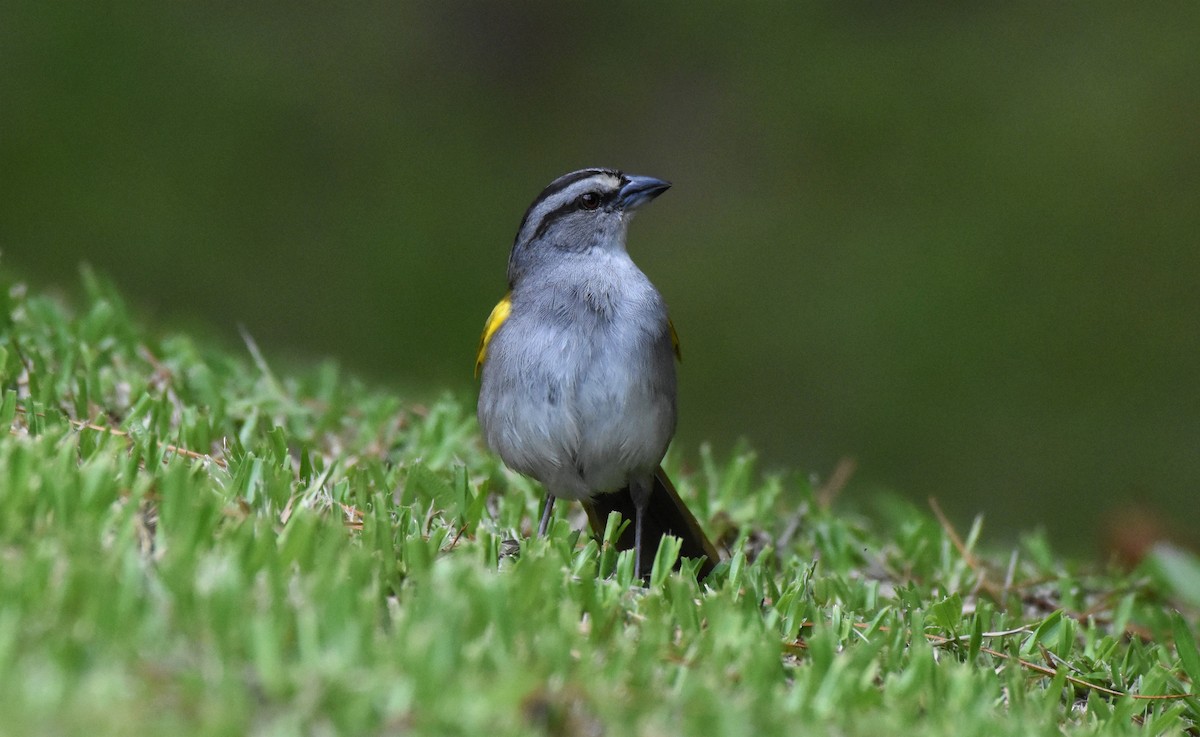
x=573, y=190
x=556, y=200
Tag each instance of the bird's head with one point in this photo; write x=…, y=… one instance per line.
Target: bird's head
x=580, y=212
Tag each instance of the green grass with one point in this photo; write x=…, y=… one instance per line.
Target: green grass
x=193, y=543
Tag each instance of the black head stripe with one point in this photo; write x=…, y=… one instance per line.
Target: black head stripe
x=557, y=200
x=555, y=187
x=566, y=180
x=568, y=207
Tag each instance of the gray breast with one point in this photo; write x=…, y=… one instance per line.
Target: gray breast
x=579, y=387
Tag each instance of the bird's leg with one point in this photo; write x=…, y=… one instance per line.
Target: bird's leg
x=640, y=493
x=546, y=511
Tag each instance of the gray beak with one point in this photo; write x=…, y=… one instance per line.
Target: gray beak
x=639, y=190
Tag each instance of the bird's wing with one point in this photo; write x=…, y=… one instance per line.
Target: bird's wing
x=494, y=321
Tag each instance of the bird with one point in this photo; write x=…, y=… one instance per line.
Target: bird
x=576, y=366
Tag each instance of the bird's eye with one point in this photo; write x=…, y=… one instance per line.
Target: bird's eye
x=589, y=201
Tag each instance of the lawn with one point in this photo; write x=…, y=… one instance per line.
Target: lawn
x=194, y=540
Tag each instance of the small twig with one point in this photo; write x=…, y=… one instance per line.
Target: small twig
x=454, y=542
x=1024, y=629
x=353, y=515
x=83, y=425
x=972, y=562
x=837, y=481
x=161, y=370
x=939, y=640
x=1051, y=672
x=951, y=533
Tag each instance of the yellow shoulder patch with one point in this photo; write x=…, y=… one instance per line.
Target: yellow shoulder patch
x=674, y=340
x=494, y=321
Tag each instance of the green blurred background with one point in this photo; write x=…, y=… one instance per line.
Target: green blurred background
x=956, y=243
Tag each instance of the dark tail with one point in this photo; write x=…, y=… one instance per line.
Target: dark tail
x=666, y=514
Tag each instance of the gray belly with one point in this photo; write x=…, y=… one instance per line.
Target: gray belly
x=577, y=404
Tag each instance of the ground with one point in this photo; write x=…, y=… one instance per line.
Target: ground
x=196, y=543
